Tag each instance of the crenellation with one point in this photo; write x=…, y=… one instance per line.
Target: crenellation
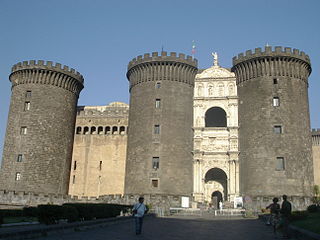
x=49, y=65
x=287, y=50
x=163, y=57
x=269, y=52
x=268, y=49
x=278, y=49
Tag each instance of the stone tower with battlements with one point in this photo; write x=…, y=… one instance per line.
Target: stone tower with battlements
x=159, y=153
x=274, y=125
x=39, y=137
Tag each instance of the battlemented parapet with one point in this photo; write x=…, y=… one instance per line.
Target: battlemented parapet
x=159, y=153
x=272, y=62
x=39, y=137
x=157, y=67
x=51, y=74
x=274, y=122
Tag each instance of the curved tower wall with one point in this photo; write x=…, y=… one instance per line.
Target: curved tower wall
x=169, y=79
x=261, y=77
x=45, y=145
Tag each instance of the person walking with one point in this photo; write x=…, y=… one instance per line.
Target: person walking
x=138, y=210
x=274, y=214
x=285, y=216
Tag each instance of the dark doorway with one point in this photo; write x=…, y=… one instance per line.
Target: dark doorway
x=216, y=198
x=218, y=175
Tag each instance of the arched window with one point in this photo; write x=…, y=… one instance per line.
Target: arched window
x=216, y=117
x=122, y=130
x=93, y=130
x=86, y=130
x=114, y=130
x=100, y=130
x=78, y=130
x=107, y=131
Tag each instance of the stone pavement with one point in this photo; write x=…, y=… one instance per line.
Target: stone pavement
x=172, y=228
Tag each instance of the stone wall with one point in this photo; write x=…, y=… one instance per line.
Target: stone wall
x=315, y=134
x=99, y=151
x=11, y=199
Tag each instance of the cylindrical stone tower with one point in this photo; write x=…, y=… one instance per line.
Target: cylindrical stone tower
x=39, y=138
x=159, y=153
x=274, y=123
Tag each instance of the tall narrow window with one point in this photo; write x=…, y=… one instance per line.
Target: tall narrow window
x=100, y=165
x=276, y=102
x=158, y=101
x=277, y=129
x=26, y=106
x=75, y=165
x=280, y=164
x=19, y=158
x=28, y=94
x=155, y=162
x=23, y=130
x=275, y=81
x=73, y=179
x=156, y=129
x=18, y=176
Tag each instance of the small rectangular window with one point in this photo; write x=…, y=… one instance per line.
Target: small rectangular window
x=276, y=102
x=18, y=176
x=158, y=102
x=74, y=165
x=100, y=165
x=280, y=164
x=28, y=94
x=23, y=130
x=155, y=183
x=73, y=179
x=277, y=129
x=156, y=129
x=155, y=162
x=26, y=106
x=275, y=81
x=158, y=85
x=19, y=158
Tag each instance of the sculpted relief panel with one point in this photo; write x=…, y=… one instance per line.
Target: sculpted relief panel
x=216, y=145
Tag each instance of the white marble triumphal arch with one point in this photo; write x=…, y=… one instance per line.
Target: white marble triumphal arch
x=216, y=165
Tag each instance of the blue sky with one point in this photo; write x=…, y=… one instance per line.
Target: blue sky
x=99, y=37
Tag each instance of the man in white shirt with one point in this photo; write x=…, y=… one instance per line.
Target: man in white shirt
x=138, y=210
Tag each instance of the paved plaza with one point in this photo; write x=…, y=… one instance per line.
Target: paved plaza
x=173, y=228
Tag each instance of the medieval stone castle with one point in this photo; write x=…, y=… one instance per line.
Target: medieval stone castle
x=205, y=135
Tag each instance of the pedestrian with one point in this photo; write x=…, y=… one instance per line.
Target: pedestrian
x=274, y=213
x=285, y=216
x=220, y=205
x=138, y=210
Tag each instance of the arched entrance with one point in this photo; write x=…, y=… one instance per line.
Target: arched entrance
x=216, y=186
x=216, y=198
x=215, y=117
